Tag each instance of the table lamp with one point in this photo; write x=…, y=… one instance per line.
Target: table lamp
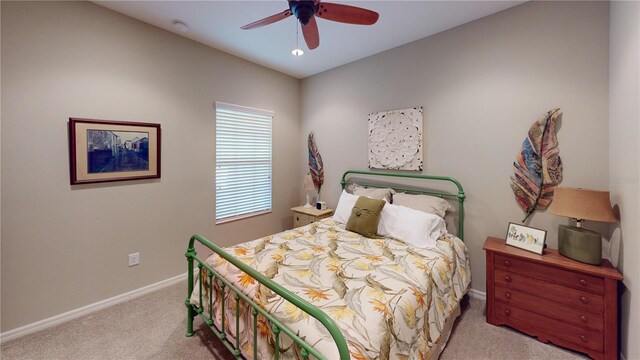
x=307, y=186
x=576, y=242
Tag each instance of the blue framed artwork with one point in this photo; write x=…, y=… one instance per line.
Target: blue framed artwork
x=104, y=150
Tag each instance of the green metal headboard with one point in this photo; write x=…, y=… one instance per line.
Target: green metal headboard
x=460, y=196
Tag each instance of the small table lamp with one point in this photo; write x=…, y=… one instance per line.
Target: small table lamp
x=576, y=242
x=307, y=186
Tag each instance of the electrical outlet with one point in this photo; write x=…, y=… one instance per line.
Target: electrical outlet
x=134, y=259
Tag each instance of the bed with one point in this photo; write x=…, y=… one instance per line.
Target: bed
x=322, y=292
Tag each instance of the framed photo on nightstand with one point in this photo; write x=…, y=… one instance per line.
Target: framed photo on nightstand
x=526, y=238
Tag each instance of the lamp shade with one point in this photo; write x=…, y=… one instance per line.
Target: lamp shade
x=307, y=185
x=582, y=204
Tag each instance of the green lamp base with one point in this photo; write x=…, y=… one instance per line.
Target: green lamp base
x=580, y=244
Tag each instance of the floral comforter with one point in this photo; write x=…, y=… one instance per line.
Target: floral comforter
x=389, y=299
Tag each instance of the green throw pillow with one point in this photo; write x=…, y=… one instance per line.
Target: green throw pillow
x=365, y=216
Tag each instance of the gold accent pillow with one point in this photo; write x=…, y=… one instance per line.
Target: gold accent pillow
x=365, y=216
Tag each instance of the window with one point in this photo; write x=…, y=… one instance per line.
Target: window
x=243, y=162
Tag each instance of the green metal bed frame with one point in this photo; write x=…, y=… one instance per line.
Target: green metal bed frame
x=278, y=327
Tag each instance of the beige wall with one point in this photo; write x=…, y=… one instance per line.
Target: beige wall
x=65, y=247
x=624, y=159
x=482, y=85
x=485, y=83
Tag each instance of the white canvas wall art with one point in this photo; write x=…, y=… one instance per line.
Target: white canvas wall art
x=395, y=139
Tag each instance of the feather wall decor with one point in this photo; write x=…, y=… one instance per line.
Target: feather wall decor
x=538, y=167
x=315, y=163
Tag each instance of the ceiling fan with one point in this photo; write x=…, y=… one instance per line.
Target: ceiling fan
x=306, y=12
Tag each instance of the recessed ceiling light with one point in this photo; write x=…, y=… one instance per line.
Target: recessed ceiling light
x=180, y=26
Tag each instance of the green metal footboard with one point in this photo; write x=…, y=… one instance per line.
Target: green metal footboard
x=193, y=310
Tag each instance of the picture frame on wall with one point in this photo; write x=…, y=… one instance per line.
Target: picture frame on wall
x=107, y=150
x=526, y=238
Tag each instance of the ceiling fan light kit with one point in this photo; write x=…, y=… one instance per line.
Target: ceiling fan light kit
x=297, y=51
x=306, y=12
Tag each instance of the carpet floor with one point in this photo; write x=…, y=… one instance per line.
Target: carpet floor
x=153, y=327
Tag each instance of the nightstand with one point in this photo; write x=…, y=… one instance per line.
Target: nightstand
x=306, y=215
x=554, y=298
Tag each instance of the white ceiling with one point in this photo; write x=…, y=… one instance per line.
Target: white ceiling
x=217, y=24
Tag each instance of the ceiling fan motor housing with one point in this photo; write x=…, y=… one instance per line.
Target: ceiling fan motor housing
x=303, y=10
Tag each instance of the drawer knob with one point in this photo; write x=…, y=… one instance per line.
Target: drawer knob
x=583, y=338
x=507, y=278
x=507, y=295
x=583, y=318
x=297, y=218
x=507, y=263
x=584, y=300
x=507, y=312
x=583, y=282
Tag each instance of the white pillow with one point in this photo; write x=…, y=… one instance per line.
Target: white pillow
x=416, y=228
x=343, y=209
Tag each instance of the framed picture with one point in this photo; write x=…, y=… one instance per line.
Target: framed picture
x=102, y=150
x=526, y=238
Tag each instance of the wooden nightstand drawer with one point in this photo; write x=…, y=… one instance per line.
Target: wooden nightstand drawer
x=582, y=338
x=302, y=219
x=549, y=308
x=306, y=215
x=554, y=292
x=545, y=296
x=548, y=273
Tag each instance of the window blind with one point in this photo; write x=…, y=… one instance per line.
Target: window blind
x=243, y=161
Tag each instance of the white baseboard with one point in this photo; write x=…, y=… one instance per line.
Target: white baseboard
x=477, y=294
x=58, y=319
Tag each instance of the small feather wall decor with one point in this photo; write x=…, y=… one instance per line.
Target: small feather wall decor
x=538, y=167
x=315, y=163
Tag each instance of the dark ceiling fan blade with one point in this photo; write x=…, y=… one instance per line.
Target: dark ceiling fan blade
x=346, y=14
x=268, y=20
x=310, y=32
